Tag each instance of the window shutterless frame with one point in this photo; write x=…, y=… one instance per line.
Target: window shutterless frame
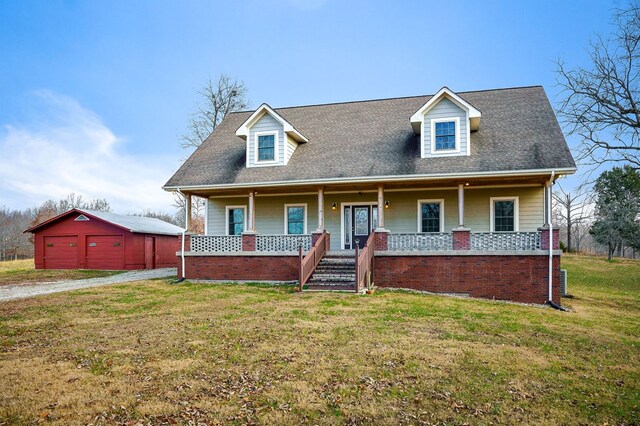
x=516, y=213
x=276, y=146
x=437, y=201
x=286, y=217
x=226, y=218
x=456, y=121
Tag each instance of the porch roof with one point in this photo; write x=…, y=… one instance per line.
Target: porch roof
x=374, y=141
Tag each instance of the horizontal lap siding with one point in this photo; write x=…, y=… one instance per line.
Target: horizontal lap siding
x=400, y=217
x=266, y=124
x=445, y=109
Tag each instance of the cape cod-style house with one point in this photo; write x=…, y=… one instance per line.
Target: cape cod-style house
x=446, y=193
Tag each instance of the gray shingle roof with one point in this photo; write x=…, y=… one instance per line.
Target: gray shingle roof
x=518, y=131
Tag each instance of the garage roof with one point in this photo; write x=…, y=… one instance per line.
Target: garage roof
x=137, y=224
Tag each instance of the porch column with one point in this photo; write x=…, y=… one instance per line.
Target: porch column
x=461, y=205
x=380, y=207
x=188, y=213
x=251, y=219
x=320, y=210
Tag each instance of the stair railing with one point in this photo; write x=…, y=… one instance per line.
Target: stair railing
x=307, y=264
x=364, y=263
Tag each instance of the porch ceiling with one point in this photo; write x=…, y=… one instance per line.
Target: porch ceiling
x=451, y=183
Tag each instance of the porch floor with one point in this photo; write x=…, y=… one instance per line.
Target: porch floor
x=341, y=253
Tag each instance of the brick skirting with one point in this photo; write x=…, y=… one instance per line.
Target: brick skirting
x=516, y=278
x=241, y=268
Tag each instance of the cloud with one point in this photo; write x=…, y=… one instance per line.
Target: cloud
x=69, y=149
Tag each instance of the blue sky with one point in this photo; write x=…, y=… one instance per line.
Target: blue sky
x=95, y=94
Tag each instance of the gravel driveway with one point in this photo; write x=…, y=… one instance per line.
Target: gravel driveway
x=21, y=291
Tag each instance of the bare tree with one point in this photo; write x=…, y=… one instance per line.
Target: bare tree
x=572, y=210
x=197, y=212
x=218, y=99
x=601, y=102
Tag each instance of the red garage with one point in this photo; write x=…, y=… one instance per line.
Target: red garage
x=87, y=239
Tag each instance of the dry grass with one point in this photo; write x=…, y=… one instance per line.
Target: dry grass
x=150, y=352
x=18, y=272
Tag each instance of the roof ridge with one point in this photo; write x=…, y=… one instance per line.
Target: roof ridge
x=392, y=98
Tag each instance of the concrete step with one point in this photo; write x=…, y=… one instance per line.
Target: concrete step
x=345, y=269
x=329, y=278
x=330, y=287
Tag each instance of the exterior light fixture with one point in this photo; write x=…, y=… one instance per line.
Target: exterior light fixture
x=386, y=204
x=466, y=184
x=334, y=206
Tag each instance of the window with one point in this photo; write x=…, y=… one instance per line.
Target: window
x=266, y=146
x=295, y=217
x=235, y=220
x=430, y=215
x=445, y=135
x=504, y=214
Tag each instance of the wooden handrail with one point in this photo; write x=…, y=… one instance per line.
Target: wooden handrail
x=307, y=264
x=364, y=262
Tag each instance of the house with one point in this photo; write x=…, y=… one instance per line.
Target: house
x=446, y=193
x=88, y=239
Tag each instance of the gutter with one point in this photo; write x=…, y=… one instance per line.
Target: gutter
x=549, y=216
x=369, y=179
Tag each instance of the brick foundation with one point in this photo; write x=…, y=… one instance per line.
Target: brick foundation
x=544, y=238
x=461, y=238
x=381, y=241
x=514, y=277
x=241, y=268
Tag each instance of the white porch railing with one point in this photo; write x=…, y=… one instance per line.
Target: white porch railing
x=213, y=243
x=505, y=241
x=283, y=242
x=416, y=242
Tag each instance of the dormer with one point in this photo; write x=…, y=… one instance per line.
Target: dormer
x=445, y=124
x=271, y=140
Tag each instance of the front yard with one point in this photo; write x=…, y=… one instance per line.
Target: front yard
x=151, y=352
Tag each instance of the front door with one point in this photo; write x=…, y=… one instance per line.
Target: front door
x=359, y=221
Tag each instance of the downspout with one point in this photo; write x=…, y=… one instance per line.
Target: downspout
x=184, y=231
x=549, y=216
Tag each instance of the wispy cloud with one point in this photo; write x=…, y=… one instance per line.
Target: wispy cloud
x=69, y=149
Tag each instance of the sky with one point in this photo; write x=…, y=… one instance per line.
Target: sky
x=94, y=95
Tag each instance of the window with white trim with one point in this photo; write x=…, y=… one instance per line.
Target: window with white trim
x=445, y=135
x=295, y=219
x=504, y=214
x=236, y=216
x=266, y=146
x=430, y=215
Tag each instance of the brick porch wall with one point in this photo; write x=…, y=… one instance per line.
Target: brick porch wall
x=241, y=268
x=517, y=278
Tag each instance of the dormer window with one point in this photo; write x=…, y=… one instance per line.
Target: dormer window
x=444, y=135
x=266, y=146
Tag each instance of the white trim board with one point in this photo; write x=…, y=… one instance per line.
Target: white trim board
x=516, y=212
x=419, y=215
x=276, y=148
x=377, y=179
x=226, y=218
x=286, y=217
x=444, y=152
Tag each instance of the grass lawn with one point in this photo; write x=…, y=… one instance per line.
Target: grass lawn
x=151, y=352
x=23, y=272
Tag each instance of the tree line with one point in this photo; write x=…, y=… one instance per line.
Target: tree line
x=15, y=244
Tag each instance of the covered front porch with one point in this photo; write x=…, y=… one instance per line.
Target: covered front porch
x=282, y=234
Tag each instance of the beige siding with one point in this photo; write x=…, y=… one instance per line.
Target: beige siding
x=291, y=146
x=445, y=109
x=400, y=217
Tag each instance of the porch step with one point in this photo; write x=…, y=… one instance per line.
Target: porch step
x=335, y=272
x=329, y=287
